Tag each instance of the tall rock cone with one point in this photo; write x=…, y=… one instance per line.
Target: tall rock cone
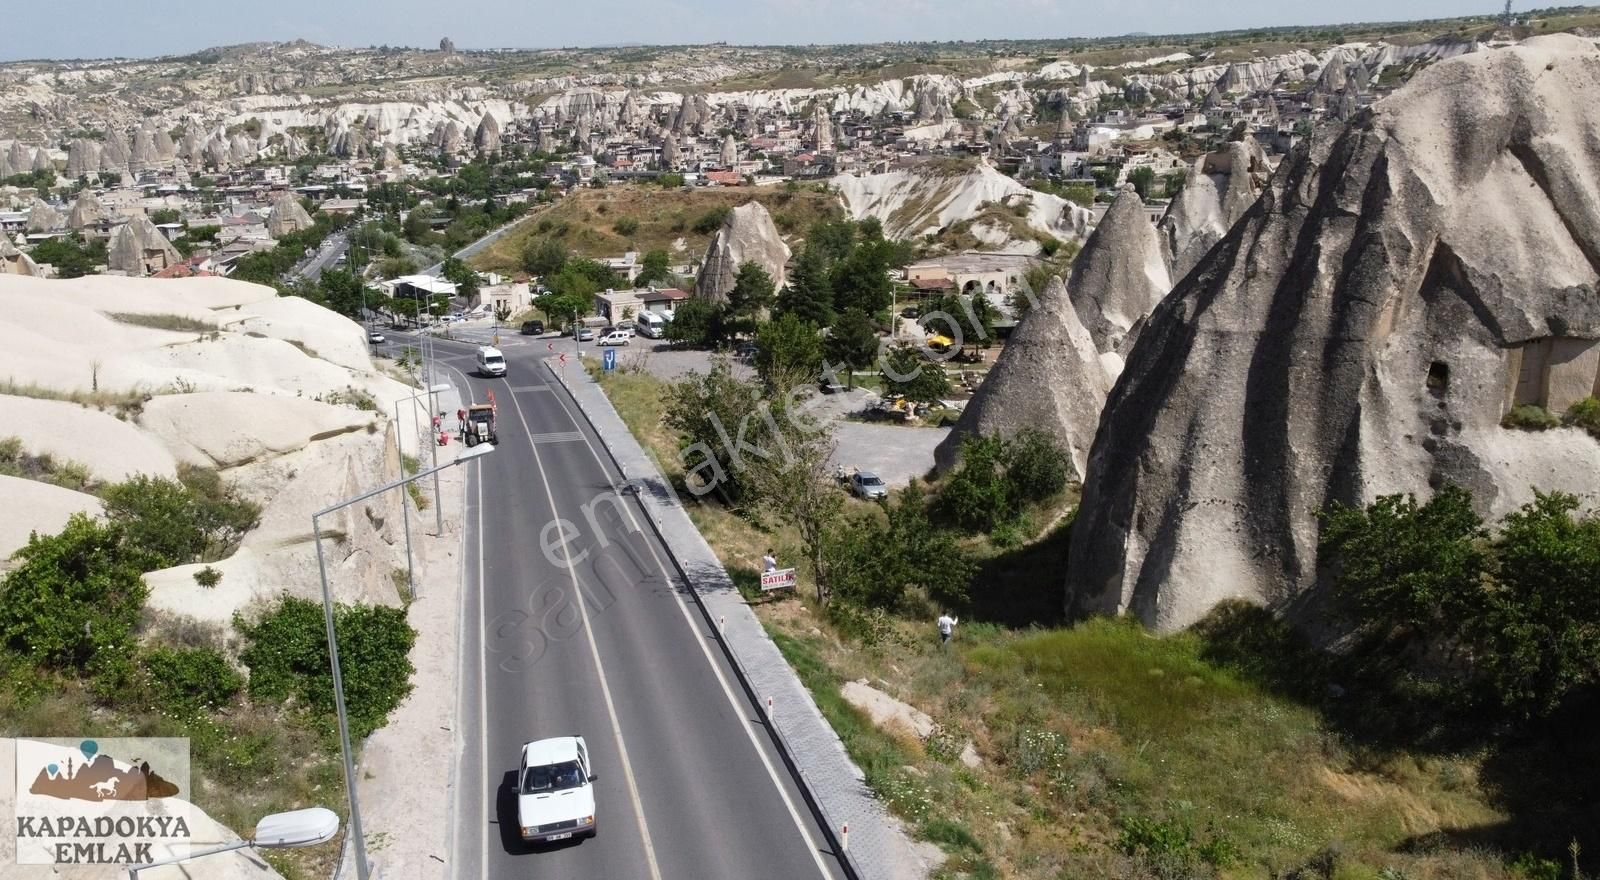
x=748, y=235
x=287, y=215
x=1361, y=332
x=1048, y=377
x=1120, y=275
x=15, y=262
x=487, y=137
x=1219, y=189
x=730, y=152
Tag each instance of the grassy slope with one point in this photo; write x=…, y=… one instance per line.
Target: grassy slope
x=585, y=221
x=1082, y=727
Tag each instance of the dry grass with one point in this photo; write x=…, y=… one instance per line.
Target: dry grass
x=124, y=403
x=584, y=222
x=174, y=323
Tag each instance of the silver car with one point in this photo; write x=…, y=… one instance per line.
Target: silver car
x=868, y=486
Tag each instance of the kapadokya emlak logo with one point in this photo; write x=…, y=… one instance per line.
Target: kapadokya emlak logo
x=102, y=801
x=97, y=778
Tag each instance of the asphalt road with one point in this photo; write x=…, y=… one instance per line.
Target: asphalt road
x=325, y=256
x=690, y=785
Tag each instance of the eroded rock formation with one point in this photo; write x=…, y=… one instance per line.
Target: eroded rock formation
x=1401, y=284
x=1120, y=276
x=748, y=235
x=1219, y=189
x=1048, y=377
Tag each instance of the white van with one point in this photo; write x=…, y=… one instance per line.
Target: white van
x=651, y=325
x=490, y=361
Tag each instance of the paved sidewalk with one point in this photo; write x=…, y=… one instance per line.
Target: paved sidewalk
x=880, y=848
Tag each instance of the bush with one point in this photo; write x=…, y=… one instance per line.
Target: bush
x=287, y=654
x=75, y=598
x=625, y=226
x=999, y=478
x=195, y=518
x=208, y=577
x=1530, y=417
x=191, y=679
x=1584, y=414
x=1512, y=621
x=712, y=220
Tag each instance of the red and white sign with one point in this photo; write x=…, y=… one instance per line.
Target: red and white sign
x=778, y=579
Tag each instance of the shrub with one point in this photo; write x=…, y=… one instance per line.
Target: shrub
x=208, y=577
x=1584, y=414
x=1036, y=465
x=712, y=220
x=75, y=598
x=287, y=654
x=191, y=679
x=174, y=522
x=625, y=226
x=1530, y=417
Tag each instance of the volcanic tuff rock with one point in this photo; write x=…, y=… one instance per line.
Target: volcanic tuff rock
x=670, y=158
x=1400, y=285
x=114, y=152
x=18, y=158
x=748, y=235
x=487, y=138
x=15, y=262
x=41, y=161
x=143, y=155
x=6, y=170
x=42, y=217
x=287, y=216
x=86, y=211
x=1120, y=275
x=730, y=152
x=821, y=129
x=1219, y=189
x=139, y=248
x=83, y=158
x=1048, y=377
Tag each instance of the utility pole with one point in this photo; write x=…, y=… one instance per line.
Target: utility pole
x=1505, y=18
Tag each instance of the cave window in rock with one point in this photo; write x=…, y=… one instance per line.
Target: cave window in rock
x=972, y=287
x=1438, y=378
x=1554, y=372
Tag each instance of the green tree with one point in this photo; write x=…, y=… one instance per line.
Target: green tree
x=287, y=653
x=833, y=240
x=809, y=293
x=861, y=280
x=461, y=275
x=906, y=374
x=1143, y=179
x=977, y=497
x=852, y=343
x=655, y=270
x=342, y=291
x=571, y=295
x=698, y=322
x=74, y=598
x=544, y=257
x=707, y=408
x=788, y=353
x=71, y=257
x=751, y=295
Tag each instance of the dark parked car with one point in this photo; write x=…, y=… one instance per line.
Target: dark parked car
x=532, y=328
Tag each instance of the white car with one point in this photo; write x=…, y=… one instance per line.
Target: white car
x=555, y=790
x=616, y=337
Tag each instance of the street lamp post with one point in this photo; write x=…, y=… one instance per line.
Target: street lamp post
x=363, y=870
x=290, y=830
x=400, y=451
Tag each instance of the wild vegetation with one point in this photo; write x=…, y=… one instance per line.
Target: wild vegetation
x=80, y=651
x=1236, y=749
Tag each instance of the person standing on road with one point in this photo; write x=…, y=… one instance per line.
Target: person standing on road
x=769, y=562
x=947, y=625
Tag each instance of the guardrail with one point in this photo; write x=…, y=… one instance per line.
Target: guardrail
x=830, y=827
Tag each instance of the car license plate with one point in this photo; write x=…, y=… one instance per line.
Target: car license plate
x=562, y=836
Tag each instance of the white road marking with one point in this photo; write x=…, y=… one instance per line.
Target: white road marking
x=594, y=649
x=740, y=710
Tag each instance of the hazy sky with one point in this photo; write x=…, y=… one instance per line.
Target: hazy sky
x=100, y=28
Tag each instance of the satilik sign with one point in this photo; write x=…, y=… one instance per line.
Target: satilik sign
x=778, y=579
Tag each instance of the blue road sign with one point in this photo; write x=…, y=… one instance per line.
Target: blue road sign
x=609, y=359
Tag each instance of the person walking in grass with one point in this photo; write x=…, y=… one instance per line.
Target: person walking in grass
x=769, y=562
x=947, y=625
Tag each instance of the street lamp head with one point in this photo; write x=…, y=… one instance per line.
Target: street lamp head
x=440, y=388
x=297, y=828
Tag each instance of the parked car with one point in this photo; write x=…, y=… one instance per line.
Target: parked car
x=532, y=328
x=615, y=337
x=584, y=334
x=555, y=790
x=375, y=337
x=868, y=486
x=909, y=312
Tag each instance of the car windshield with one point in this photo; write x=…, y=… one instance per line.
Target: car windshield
x=871, y=481
x=494, y=359
x=552, y=777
